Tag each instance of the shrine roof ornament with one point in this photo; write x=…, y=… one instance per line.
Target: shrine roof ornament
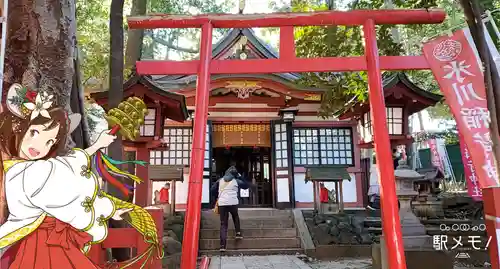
x=232, y=38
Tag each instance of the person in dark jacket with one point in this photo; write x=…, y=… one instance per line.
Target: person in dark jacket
x=228, y=188
x=395, y=158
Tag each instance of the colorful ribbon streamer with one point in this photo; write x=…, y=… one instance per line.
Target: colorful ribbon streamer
x=106, y=168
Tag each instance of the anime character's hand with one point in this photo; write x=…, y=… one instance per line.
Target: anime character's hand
x=104, y=139
x=118, y=213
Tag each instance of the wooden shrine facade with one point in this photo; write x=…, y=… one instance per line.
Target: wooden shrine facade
x=248, y=116
x=269, y=119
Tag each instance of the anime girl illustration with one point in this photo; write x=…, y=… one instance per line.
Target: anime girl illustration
x=57, y=209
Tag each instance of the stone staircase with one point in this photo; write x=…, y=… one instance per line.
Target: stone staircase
x=265, y=232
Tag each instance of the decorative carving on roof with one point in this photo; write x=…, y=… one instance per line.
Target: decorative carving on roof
x=312, y=97
x=241, y=51
x=239, y=94
x=265, y=93
x=239, y=54
x=243, y=89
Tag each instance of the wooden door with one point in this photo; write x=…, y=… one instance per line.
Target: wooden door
x=257, y=172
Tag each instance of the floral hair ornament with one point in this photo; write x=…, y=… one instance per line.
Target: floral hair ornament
x=23, y=102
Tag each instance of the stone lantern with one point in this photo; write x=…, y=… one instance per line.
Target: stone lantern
x=405, y=179
x=417, y=244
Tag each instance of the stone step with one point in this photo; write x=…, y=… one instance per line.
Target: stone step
x=252, y=233
x=372, y=222
x=215, y=217
x=251, y=243
x=264, y=213
x=254, y=212
x=252, y=252
x=251, y=223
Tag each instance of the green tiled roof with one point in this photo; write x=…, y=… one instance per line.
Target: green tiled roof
x=327, y=173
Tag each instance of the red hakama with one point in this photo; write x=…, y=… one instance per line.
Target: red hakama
x=55, y=244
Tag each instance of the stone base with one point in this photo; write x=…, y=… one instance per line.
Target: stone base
x=334, y=252
x=428, y=209
x=418, y=252
x=329, y=208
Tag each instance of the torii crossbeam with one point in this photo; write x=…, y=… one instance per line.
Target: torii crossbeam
x=288, y=62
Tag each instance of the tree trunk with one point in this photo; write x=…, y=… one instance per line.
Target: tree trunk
x=40, y=49
x=41, y=46
x=81, y=135
x=135, y=37
x=115, y=96
x=115, y=92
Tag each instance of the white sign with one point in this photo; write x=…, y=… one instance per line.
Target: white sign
x=244, y=193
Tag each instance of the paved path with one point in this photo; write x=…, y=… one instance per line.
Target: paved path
x=290, y=262
x=258, y=262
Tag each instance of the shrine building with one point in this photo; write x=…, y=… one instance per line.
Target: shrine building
x=267, y=125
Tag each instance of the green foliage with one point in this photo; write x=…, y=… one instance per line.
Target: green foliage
x=93, y=41
x=391, y=40
x=338, y=41
x=93, y=33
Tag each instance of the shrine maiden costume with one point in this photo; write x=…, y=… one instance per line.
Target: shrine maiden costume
x=54, y=204
x=57, y=211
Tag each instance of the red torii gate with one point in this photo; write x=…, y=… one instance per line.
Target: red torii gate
x=287, y=62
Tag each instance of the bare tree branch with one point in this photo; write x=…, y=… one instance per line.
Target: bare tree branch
x=168, y=43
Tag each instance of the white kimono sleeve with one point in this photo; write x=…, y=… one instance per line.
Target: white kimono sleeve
x=66, y=188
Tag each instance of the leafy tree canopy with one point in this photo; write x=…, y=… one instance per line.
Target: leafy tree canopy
x=93, y=34
x=392, y=40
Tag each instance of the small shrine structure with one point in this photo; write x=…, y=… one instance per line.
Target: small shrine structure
x=427, y=204
x=170, y=174
x=322, y=175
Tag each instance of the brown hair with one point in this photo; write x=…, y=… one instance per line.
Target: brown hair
x=12, y=131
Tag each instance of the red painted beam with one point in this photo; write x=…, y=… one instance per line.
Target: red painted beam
x=266, y=66
x=287, y=43
x=391, y=224
x=354, y=17
x=193, y=210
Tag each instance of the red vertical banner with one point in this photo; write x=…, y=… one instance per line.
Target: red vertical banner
x=473, y=187
x=455, y=66
x=435, y=158
x=456, y=69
